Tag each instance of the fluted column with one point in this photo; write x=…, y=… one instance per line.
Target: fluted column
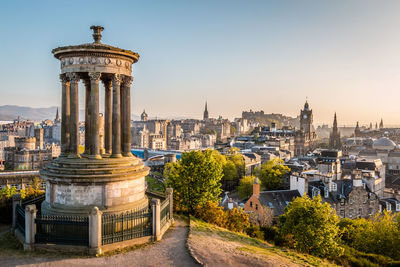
x=126, y=116
x=94, y=115
x=107, y=116
x=65, y=115
x=116, y=117
x=87, y=116
x=74, y=126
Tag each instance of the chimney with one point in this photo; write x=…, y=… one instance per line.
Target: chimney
x=256, y=187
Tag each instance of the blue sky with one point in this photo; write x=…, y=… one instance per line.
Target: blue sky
x=237, y=55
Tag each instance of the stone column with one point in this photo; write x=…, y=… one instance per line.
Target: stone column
x=30, y=227
x=155, y=205
x=65, y=115
x=126, y=116
x=87, y=116
x=74, y=126
x=116, y=117
x=94, y=115
x=95, y=230
x=108, y=116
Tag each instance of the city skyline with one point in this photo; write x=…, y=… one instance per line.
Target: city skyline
x=270, y=57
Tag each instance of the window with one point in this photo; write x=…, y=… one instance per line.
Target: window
x=388, y=206
x=359, y=212
x=351, y=201
x=380, y=208
x=370, y=211
x=351, y=213
x=342, y=201
x=365, y=199
x=342, y=213
x=397, y=206
x=334, y=187
x=326, y=193
x=251, y=204
x=256, y=206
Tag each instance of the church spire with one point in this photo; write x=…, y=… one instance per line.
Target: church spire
x=334, y=122
x=381, y=124
x=57, y=116
x=205, y=114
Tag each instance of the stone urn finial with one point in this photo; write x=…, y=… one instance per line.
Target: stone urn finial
x=97, y=33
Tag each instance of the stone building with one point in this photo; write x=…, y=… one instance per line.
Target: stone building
x=275, y=200
x=26, y=155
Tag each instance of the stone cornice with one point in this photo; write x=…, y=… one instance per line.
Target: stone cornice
x=70, y=51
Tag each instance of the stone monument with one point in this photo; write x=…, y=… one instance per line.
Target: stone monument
x=110, y=178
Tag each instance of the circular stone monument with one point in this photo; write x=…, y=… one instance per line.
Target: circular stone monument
x=108, y=177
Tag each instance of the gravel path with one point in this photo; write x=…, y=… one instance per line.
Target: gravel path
x=171, y=251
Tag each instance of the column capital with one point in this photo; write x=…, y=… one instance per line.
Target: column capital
x=73, y=76
x=127, y=80
x=94, y=76
x=116, y=79
x=64, y=78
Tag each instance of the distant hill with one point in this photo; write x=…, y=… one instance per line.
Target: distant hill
x=11, y=112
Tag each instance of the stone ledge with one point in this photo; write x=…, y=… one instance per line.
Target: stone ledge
x=126, y=243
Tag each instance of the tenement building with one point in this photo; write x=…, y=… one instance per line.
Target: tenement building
x=111, y=178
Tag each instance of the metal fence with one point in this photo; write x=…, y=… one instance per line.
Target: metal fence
x=126, y=226
x=164, y=213
x=64, y=230
x=20, y=219
x=37, y=201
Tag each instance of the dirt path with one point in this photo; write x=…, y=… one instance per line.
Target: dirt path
x=171, y=251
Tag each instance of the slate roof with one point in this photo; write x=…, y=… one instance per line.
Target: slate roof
x=277, y=200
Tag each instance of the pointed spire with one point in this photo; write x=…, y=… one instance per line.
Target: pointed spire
x=335, y=121
x=57, y=116
x=381, y=124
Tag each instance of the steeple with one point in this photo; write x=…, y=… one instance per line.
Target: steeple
x=357, y=131
x=57, y=117
x=381, y=124
x=205, y=114
x=334, y=138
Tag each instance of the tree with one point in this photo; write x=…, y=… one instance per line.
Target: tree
x=230, y=172
x=195, y=179
x=271, y=174
x=245, y=188
x=263, y=218
x=378, y=235
x=312, y=226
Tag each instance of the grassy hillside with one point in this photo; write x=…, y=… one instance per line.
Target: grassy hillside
x=215, y=246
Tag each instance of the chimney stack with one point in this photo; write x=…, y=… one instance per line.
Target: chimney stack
x=256, y=187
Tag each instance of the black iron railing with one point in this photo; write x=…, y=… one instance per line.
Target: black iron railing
x=126, y=226
x=164, y=212
x=20, y=219
x=63, y=230
x=37, y=201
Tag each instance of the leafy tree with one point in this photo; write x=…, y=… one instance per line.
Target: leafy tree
x=195, y=179
x=237, y=220
x=212, y=213
x=379, y=235
x=271, y=173
x=230, y=172
x=312, y=225
x=233, y=130
x=263, y=218
x=245, y=188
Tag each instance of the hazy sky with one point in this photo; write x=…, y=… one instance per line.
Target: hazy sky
x=237, y=55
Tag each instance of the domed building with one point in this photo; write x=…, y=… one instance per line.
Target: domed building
x=384, y=143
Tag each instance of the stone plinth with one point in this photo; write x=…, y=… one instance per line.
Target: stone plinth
x=75, y=186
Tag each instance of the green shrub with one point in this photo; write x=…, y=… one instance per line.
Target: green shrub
x=254, y=231
x=270, y=233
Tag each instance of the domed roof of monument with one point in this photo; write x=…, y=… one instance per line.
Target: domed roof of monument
x=95, y=47
x=384, y=143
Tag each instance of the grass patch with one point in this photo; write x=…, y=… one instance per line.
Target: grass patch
x=254, y=245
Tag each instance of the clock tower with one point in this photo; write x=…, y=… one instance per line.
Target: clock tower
x=306, y=119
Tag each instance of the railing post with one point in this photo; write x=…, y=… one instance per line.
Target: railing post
x=30, y=227
x=155, y=205
x=169, y=192
x=95, y=217
x=16, y=199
